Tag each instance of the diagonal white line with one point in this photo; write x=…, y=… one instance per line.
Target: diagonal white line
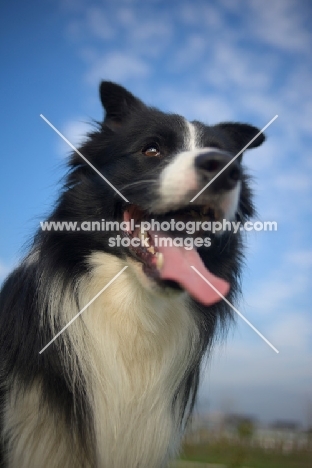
x=238, y=154
x=235, y=310
x=82, y=156
x=82, y=310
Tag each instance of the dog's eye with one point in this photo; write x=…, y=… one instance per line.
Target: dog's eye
x=151, y=151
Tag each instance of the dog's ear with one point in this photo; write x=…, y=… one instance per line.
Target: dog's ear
x=118, y=103
x=241, y=134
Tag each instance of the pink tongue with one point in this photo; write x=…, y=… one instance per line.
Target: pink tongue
x=177, y=267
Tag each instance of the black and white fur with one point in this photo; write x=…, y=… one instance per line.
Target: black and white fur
x=115, y=389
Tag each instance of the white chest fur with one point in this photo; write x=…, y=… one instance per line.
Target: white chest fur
x=141, y=345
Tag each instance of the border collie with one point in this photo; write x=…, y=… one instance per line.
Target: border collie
x=116, y=387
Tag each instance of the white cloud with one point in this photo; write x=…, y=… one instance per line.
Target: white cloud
x=265, y=158
x=233, y=66
x=118, y=66
x=294, y=181
x=98, y=23
x=201, y=14
x=277, y=294
x=75, y=131
x=281, y=25
x=269, y=295
x=209, y=108
x=129, y=28
x=191, y=52
x=292, y=333
x=140, y=28
x=301, y=258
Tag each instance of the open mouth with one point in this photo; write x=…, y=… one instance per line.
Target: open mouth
x=164, y=260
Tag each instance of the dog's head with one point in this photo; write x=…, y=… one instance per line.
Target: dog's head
x=161, y=163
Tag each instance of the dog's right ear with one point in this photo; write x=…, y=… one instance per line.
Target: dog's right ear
x=118, y=103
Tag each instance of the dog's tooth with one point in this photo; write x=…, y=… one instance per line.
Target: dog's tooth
x=144, y=237
x=159, y=260
x=151, y=250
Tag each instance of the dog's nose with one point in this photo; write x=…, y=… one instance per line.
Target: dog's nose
x=212, y=162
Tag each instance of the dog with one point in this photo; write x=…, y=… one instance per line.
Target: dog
x=117, y=383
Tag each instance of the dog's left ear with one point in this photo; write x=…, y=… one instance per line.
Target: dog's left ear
x=118, y=103
x=241, y=134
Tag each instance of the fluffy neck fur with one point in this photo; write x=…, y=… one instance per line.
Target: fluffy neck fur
x=141, y=349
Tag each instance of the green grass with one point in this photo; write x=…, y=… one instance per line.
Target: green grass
x=236, y=456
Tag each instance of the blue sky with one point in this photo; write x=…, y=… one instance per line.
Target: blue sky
x=212, y=61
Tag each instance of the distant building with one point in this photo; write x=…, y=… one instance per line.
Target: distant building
x=283, y=436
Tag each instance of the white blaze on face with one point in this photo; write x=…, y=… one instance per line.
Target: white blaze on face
x=179, y=178
x=191, y=137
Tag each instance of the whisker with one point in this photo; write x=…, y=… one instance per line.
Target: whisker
x=139, y=183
